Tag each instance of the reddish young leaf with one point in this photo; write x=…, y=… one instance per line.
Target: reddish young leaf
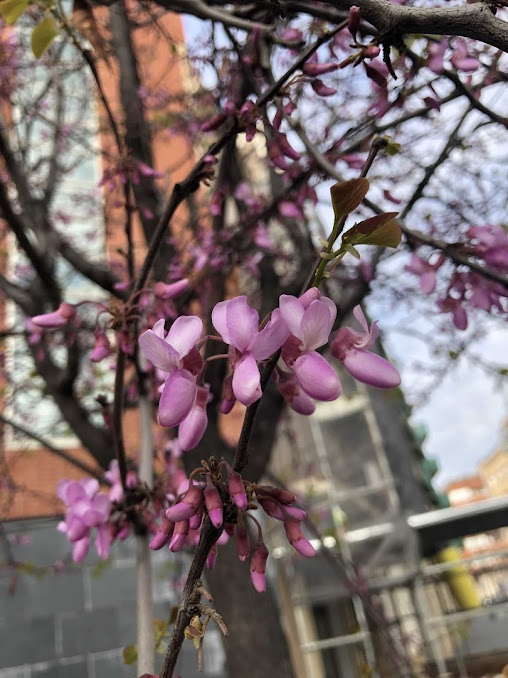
x=347, y=195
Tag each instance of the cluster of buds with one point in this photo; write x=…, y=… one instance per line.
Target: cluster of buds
x=229, y=502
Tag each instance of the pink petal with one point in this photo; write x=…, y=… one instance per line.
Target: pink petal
x=292, y=311
x=302, y=404
x=271, y=337
x=242, y=322
x=317, y=377
x=428, y=281
x=192, y=428
x=247, y=380
x=80, y=549
x=91, y=486
x=360, y=316
x=371, y=369
x=177, y=399
x=70, y=491
x=219, y=319
x=103, y=542
x=316, y=325
x=184, y=333
x=159, y=353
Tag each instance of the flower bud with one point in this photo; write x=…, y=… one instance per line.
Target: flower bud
x=101, y=349
x=295, y=537
x=258, y=566
x=236, y=488
x=213, y=502
x=59, y=318
x=354, y=20
x=162, y=536
x=196, y=520
x=189, y=505
x=242, y=541
x=167, y=292
x=179, y=535
x=319, y=69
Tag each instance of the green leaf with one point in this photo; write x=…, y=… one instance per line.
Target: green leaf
x=388, y=235
x=11, y=10
x=43, y=35
x=380, y=230
x=130, y=654
x=347, y=195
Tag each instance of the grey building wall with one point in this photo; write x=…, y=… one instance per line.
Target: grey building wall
x=75, y=624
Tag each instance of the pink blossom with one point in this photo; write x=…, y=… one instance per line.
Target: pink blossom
x=101, y=349
x=86, y=508
x=242, y=541
x=176, y=355
x=350, y=347
x=59, y=318
x=213, y=502
x=296, y=538
x=238, y=325
x=194, y=425
x=167, y=292
x=454, y=306
x=258, y=566
x=236, y=487
x=188, y=506
x=113, y=475
x=310, y=320
x=425, y=271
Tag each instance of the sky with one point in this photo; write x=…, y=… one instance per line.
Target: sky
x=465, y=413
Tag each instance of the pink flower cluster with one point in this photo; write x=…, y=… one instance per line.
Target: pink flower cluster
x=87, y=508
x=233, y=498
x=489, y=245
x=298, y=327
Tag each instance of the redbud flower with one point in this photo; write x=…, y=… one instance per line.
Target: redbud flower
x=175, y=354
x=354, y=20
x=350, y=347
x=167, y=292
x=101, y=349
x=179, y=535
x=319, y=69
x=258, y=566
x=162, y=536
x=190, y=504
x=310, y=325
x=242, y=540
x=321, y=89
x=213, y=502
x=297, y=540
x=59, y=318
x=295, y=396
x=425, y=271
x=236, y=487
x=196, y=520
x=284, y=496
x=194, y=425
x=238, y=324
